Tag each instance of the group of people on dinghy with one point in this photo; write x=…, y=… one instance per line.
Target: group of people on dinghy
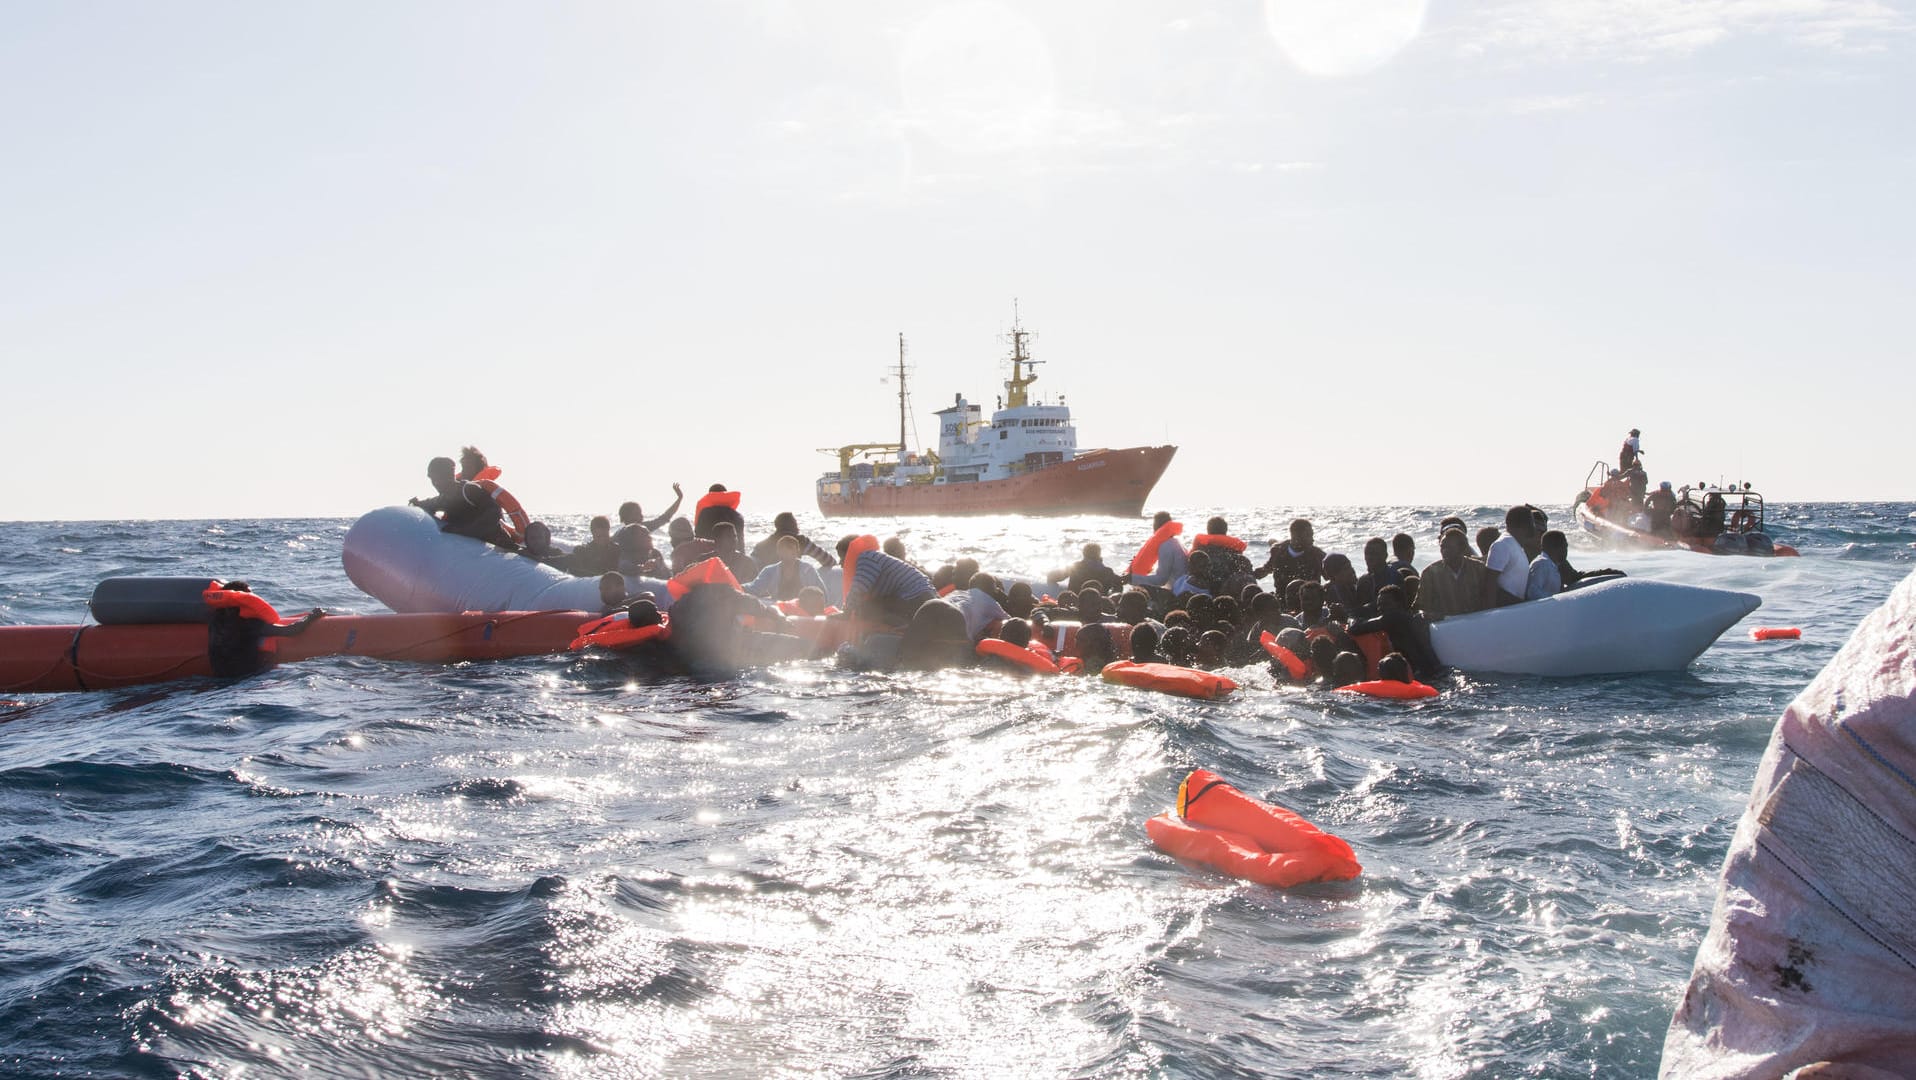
x=1311, y=615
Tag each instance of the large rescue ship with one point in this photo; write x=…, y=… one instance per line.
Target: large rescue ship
x=1024, y=460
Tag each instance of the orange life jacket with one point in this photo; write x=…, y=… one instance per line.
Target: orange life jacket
x=1391, y=688
x=712, y=571
x=727, y=499
x=790, y=607
x=1291, y=661
x=1229, y=543
x=515, y=518
x=1027, y=658
x=1146, y=560
x=1169, y=678
x=1216, y=825
x=858, y=546
x=250, y=606
x=616, y=631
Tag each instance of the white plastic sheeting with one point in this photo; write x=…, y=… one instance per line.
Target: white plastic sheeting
x=1613, y=627
x=1810, y=960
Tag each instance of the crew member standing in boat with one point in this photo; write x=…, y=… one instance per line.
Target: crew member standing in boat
x=1630, y=456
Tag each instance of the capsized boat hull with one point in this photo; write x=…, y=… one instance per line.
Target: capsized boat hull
x=1614, y=627
x=1113, y=482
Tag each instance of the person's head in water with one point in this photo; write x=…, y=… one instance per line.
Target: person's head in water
x=942, y=576
x=680, y=531
x=1294, y=595
x=538, y=538
x=1144, y=643
x=787, y=549
x=1486, y=536
x=1376, y=555
x=1347, y=668
x=706, y=634
x=1095, y=647
x=1210, y=649
x=894, y=547
x=1133, y=607
x=725, y=538
x=611, y=591
x=1404, y=547
x=1200, y=564
x=1298, y=642
x=471, y=462
x=1323, y=655
x=1454, y=548
x=1394, y=667
x=1556, y=545
x=630, y=514
x=1217, y=526
x=986, y=584
x=643, y=612
x=1175, y=645
x=936, y=638
x=1302, y=535
x=440, y=471
x=811, y=600
x=1019, y=600
x=1015, y=631
x=601, y=528
x=784, y=524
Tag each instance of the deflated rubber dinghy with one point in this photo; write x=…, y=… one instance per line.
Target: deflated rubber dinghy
x=398, y=556
x=1220, y=827
x=1615, y=627
x=1810, y=960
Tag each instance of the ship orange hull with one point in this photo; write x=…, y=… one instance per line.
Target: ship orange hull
x=1114, y=482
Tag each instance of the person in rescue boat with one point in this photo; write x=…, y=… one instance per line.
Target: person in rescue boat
x=1507, y=557
x=1455, y=584
x=883, y=589
x=712, y=511
x=1659, y=505
x=785, y=525
x=1172, y=560
x=1632, y=453
x=784, y=579
x=1090, y=567
x=1298, y=560
x=461, y=506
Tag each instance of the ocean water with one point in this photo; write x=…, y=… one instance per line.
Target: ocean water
x=554, y=867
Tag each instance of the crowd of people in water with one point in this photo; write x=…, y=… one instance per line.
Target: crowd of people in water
x=1312, y=616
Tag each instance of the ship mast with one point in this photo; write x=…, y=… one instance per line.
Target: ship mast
x=901, y=395
x=1020, y=360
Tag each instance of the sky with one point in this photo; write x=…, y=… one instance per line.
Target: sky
x=263, y=260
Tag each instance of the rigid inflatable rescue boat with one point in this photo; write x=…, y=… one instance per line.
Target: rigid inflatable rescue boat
x=1220, y=827
x=1616, y=627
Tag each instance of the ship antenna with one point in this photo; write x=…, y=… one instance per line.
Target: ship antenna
x=901, y=395
x=1020, y=360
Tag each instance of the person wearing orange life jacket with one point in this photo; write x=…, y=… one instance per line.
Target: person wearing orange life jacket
x=462, y=507
x=474, y=468
x=239, y=625
x=1170, y=557
x=1230, y=571
x=715, y=506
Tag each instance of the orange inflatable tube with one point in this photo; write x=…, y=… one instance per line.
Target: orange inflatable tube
x=616, y=631
x=1218, y=826
x=1391, y=688
x=1146, y=560
x=1169, y=679
x=1776, y=633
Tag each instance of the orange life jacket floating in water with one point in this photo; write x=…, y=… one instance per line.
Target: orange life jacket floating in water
x=1292, y=662
x=1218, y=826
x=1219, y=540
x=616, y=631
x=1391, y=688
x=1028, y=658
x=1169, y=678
x=1776, y=633
x=1146, y=560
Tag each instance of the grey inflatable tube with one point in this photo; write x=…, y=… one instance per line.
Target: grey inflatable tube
x=398, y=556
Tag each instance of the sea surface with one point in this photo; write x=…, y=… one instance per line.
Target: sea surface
x=558, y=867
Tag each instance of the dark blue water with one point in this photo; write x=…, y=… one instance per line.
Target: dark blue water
x=353, y=868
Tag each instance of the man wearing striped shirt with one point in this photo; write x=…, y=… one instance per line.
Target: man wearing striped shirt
x=884, y=589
